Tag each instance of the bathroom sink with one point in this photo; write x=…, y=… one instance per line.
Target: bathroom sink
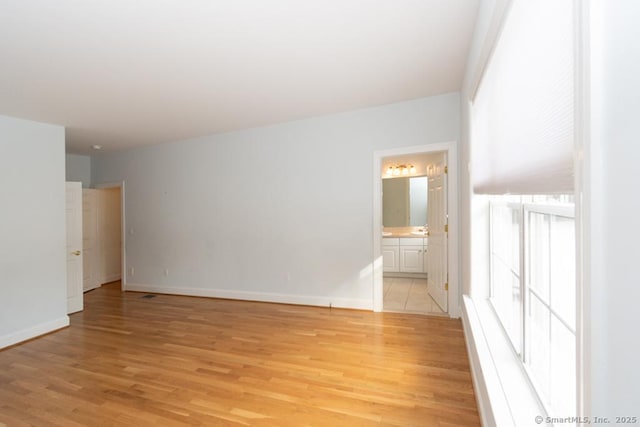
x=419, y=233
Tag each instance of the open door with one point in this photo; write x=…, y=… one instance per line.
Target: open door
x=74, y=247
x=437, y=278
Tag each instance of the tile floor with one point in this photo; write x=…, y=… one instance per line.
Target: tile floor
x=408, y=296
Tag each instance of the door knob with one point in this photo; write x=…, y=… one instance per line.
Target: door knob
x=76, y=253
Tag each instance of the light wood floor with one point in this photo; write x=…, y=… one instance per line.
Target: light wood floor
x=170, y=360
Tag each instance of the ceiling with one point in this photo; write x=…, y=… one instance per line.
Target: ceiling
x=123, y=73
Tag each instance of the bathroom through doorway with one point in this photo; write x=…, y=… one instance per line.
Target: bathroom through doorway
x=415, y=230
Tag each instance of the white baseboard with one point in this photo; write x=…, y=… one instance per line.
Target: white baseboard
x=111, y=278
x=255, y=296
x=33, y=332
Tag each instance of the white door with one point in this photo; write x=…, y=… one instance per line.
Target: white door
x=437, y=275
x=74, y=247
x=89, y=239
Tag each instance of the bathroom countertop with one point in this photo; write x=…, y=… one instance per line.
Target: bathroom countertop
x=396, y=235
x=397, y=232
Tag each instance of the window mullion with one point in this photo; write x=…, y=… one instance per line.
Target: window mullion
x=491, y=252
x=523, y=282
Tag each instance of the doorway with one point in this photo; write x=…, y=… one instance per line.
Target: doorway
x=104, y=235
x=411, y=275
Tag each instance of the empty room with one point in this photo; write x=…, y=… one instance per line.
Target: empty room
x=305, y=213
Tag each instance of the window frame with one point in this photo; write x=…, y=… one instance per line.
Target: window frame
x=525, y=207
x=517, y=206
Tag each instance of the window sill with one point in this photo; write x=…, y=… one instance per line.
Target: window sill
x=503, y=391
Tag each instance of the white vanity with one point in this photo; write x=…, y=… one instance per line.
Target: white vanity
x=404, y=254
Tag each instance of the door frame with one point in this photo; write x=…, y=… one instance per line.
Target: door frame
x=123, y=228
x=451, y=148
x=78, y=301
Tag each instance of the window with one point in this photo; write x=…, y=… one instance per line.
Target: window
x=533, y=290
x=506, y=286
x=522, y=138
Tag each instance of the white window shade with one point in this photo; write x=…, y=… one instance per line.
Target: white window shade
x=523, y=111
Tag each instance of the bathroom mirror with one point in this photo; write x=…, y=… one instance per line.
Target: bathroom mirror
x=404, y=201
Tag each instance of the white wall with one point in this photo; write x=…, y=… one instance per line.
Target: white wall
x=282, y=212
x=612, y=226
x=33, y=298
x=78, y=168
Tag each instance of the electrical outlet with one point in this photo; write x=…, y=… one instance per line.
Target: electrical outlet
x=166, y=272
x=131, y=271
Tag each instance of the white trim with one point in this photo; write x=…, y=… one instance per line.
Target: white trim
x=452, y=200
x=564, y=211
x=480, y=355
x=357, y=304
x=34, y=331
x=123, y=230
x=584, y=151
x=505, y=395
x=113, y=278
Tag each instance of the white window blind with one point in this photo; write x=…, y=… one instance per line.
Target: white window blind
x=523, y=111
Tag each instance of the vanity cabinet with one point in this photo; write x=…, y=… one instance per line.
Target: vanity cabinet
x=404, y=255
x=390, y=255
x=411, y=259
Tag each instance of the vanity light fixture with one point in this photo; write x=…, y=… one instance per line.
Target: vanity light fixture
x=401, y=170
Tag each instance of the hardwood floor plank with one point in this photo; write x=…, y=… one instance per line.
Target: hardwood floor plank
x=185, y=361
